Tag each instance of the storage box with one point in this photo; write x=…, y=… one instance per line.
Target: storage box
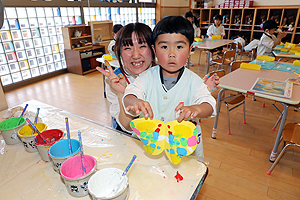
x=86, y=54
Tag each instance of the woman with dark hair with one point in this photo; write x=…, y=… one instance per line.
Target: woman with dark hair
x=194, y=21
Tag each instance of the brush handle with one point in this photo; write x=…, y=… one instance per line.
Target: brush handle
x=37, y=115
x=33, y=126
x=68, y=134
x=24, y=110
x=129, y=165
x=81, y=151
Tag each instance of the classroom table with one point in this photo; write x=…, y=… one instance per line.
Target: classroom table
x=25, y=175
x=281, y=54
x=210, y=45
x=241, y=80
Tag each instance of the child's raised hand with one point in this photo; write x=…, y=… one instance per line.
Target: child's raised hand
x=116, y=82
x=212, y=81
x=282, y=34
x=186, y=112
x=141, y=106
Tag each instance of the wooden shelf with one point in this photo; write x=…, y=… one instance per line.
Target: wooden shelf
x=81, y=37
x=252, y=15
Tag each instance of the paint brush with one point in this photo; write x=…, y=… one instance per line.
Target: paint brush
x=81, y=151
x=123, y=175
x=36, y=130
x=22, y=113
x=36, y=117
x=68, y=134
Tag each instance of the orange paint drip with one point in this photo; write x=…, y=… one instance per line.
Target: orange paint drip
x=178, y=177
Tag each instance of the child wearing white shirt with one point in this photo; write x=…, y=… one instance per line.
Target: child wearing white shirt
x=240, y=39
x=268, y=40
x=111, y=46
x=217, y=28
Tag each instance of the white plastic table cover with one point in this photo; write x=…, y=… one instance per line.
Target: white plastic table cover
x=25, y=175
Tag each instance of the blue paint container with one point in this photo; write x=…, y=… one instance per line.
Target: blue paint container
x=60, y=152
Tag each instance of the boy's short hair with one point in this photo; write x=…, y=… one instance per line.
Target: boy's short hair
x=174, y=24
x=269, y=24
x=188, y=14
x=241, y=34
x=116, y=28
x=218, y=17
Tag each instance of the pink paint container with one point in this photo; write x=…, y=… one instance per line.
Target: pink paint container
x=9, y=129
x=27, y=135
x=52, y=135
x=60, y=152
x=75, y=180
x=109, y=184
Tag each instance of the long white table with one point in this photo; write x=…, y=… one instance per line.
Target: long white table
x=24, y=175
x=241, y=80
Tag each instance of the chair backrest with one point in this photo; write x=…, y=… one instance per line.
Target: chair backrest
x=291, y=133
x=240, y=47
x=229, y=53
x=236, y=64
x=233, y=46
x=254, y=54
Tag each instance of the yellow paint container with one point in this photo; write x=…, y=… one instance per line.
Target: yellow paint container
x=27, y=135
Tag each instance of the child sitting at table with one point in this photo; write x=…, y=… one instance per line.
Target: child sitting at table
x=169, y=88
x=240, y=39
x=216, y=29
x=268, y=40
x=111, y=46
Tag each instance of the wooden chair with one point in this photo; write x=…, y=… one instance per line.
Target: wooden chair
x=227, y=58
x=296, y=108
x=236, y=99
x=290, y=135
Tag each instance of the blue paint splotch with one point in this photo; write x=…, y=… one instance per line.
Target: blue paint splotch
x=153, y=145
x=158, y=147
x=171, y=140
x=181, y=151
x=172, y=151
x=144, y=141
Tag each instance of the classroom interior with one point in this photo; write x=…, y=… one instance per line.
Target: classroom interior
x=238, y=163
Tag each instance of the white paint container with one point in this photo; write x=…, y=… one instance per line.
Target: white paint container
x=109, y=184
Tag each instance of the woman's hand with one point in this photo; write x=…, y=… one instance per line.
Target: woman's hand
x=116, y=82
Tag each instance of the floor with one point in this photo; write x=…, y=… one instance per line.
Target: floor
x=238, y=163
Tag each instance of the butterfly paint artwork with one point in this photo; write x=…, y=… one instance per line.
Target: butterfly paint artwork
x=176, y=139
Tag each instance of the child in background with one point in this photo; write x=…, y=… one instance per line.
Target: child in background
x=194, y=21
x=240, y=39
x=268, y=40
x=111, y=46
x=170, y=88
x=253, y=44
x=217, y=28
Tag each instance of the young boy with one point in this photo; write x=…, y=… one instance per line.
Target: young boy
x=268, y=40
x=240, y=39
x=217, y=28
x=168, y=89
x=111, y=46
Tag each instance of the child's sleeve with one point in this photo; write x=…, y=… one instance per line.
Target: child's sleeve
x=202, y=95
x=209, y=31
x=138, y=89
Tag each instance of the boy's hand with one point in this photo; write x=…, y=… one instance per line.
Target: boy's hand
x=282, y=34
x=143, y=106
x=212, y=81
x=186, y=112
x=116, y=82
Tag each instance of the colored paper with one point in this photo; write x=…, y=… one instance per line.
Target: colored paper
x=176, y=139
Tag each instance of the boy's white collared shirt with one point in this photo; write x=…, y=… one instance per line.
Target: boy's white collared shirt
x=265, y=45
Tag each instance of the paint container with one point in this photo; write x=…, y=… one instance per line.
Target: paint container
x=108, y=184
x=53, y=135
x=26, y=136
x=60, y=152
x=9, y=129
x=75, y=179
